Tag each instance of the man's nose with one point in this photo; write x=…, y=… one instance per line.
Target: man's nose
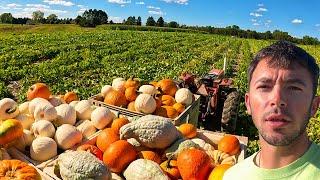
x=278, y=97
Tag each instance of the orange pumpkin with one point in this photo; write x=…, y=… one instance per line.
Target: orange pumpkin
x=91, y=149
x=131, y=93
x=131, y=106
x=218, y=172
x=132, y=82
x=188, y=130
x=179, y=107
x=10, y=130
x=150, y=155
x=70, y=96
x=118, y=123
x=171, y=169
x=40, y=90
x=167, y=100
x=194, y=164
x=229, y=144
x=119, y=155
x=16, y=169
x=167, y=86
x=115, y=98
x=158, y=102
x=153, y=83
x=166, y=111
x=105, y=138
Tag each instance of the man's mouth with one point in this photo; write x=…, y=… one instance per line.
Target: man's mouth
x=277, y=121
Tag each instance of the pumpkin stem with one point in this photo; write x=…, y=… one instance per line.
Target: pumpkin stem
x=168, y=162
x=11, y=110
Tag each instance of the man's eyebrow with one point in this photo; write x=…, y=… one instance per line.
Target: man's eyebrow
x=296, y=81
x=263, y=80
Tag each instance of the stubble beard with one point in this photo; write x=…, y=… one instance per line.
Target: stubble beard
x=282, y=138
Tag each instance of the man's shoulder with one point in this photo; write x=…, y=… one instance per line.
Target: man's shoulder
x=240, y=168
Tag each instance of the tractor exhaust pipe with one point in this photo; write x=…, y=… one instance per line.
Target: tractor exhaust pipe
x=224, y=64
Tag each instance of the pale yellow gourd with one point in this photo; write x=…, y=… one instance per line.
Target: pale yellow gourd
x=4, y=154
x=145, y=103
x=43, y=148
x=151, y=131
x=184, y=96
x=148, y=89
x=45, y=111
x=42, y=128
x=117, y=79
x=67, y=136
x=35, y=102
x=84, y=109
x=73, y=103
x=119, y=85
x=24, y=108
x=203, y=144
x=105, y=90
x=137, y=146
x=86, y=128
x=101, y=117
x=8, y=109
x=66, y=114
x=26, y=120
x=25, y=140
x=144, y=169
x=219, y=157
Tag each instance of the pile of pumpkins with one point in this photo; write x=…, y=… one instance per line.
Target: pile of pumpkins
x=162, y=98
x=150, y=147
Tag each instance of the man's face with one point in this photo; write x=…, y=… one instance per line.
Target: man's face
x=280, y=102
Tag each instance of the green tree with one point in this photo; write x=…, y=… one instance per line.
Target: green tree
x=6, y=18
x=92, y=18
x=173, y=24
x=139, y=21
x=131, y=20
x=151, y=21
x=52, y=19
x=160, y=22
x=37, y=16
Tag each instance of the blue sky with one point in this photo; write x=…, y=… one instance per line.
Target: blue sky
x=297, y=17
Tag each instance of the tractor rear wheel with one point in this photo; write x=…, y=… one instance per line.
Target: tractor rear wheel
x=230, y=112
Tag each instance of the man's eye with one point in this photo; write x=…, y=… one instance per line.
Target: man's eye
x=263, y=87
x=295, y=88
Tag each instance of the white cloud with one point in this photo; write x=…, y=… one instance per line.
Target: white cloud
x=141, y=3
x=1, y=7
x=116, y=19
x=269, y=21
x=262, y=10
x=37, y=6
x=260, y=5
x=256, y=24
x=255, y=14
x=317, y=25
x=81, y=10
x=296, y=21
x=185, y=2
x=13, y=5
x=59, y=2
x=160, y=13
x=253, y=20
x=119, y=1
x=152, y=7
x=122, y=5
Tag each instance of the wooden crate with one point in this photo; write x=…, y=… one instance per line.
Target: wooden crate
x=189, y=115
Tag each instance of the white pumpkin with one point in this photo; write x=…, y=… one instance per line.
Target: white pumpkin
x=84, y=109
x=204, y=145
x=101, y=117
x=26, y=120
x=43, y=128
x=184, y=96
x=73, y=103
x=45, y=111
x=35, y=102
x=43, y=148
x=148, y=89
x=24, y=108
x=117, y=79
x=106, y=89
x=66, y=114
x=67, y=136
x=24, y=140
x=86, y=128
x=145, y=103
x=8, y=109
x=119, y=85
x=56, y=101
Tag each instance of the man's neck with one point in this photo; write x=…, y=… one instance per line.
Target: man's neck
x=271, y=157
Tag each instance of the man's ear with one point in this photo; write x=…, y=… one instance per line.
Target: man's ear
x=247, y=101
x=315, y=105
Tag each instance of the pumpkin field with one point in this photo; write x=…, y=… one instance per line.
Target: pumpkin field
x=70, y=58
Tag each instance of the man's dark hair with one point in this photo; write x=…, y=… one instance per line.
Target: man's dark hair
x=283, y=54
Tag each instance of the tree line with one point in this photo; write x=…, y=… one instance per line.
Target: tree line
x=94, y=17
